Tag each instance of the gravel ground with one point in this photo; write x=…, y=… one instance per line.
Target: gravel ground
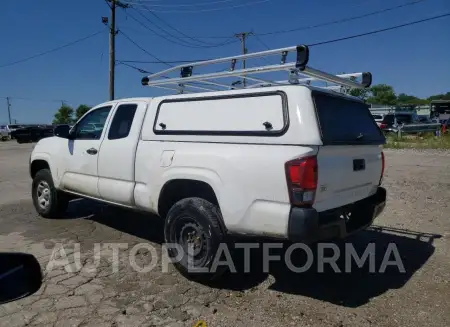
x=416, y=219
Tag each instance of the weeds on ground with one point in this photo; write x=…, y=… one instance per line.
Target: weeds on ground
x=424, y=141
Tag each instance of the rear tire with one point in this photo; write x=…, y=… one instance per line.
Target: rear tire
x=195, y=222
x=47, y=200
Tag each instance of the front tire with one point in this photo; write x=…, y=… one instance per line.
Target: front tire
x=47, y=200
x=195, y=222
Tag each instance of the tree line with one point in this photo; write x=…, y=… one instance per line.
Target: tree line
x=384, y=94
x=67, y=115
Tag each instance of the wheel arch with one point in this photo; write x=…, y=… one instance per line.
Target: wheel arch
x=40, y=161
x=37, y=165
x=176, y=189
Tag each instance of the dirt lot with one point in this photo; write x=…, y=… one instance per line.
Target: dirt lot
x=416, y=220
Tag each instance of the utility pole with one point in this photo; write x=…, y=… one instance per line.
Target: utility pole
x=242, y=36
x=112, y=49
x=112, y=42
x=8, y=104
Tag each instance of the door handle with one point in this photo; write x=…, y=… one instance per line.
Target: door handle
x=91, y=151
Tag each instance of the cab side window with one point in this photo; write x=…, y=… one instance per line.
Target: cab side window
x=91, y=126
x=122, y=121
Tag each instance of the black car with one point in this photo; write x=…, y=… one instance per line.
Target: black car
x=32, y=133
x=391, y=121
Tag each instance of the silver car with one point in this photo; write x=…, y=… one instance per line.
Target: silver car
x=378, y=118
x=5, y=134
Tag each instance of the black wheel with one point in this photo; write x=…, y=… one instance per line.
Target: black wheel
x=194, y=225
x=48, y=201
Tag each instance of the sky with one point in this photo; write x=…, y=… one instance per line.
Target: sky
x=414, y=59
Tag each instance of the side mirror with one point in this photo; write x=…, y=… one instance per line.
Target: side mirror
x=20, y=276
x=62, y=131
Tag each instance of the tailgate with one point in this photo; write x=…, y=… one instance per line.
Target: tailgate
x=349, y=162
x=346, y=174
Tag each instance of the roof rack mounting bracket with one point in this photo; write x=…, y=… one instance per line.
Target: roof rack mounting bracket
x=233, y=64
x=283, y=57
x=293, y=76
x=180, y=88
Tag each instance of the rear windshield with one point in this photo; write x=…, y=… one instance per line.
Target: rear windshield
x=401, y=118
x=345, y=121
x=377, y=117
x=388, y=119
x=404, y=118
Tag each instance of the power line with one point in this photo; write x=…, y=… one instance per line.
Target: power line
x=143, y=71
x=132, y=28
x=175, y=29
x=324, y=42
x=326, y=23
x=52, y=50
x=182, y=5
x=33, y=99
x=261, y=41
x=173, y=41
x=344, y=20
x=157, y=62
x=139, y=69
x=380, y=30
x=264, y=44
x=213, y=9
x=183, y=43
x=150, y=54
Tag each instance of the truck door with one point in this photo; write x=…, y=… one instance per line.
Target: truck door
x=116, y=161
x=81, y=154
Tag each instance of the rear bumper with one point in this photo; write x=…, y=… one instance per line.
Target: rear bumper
x=307, y=225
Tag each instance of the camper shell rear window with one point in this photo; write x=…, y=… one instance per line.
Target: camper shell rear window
x=345, y=121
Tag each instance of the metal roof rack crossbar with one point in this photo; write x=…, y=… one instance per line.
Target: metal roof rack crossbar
x=298, y=73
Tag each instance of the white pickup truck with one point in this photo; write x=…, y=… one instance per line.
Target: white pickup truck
x=277, y=161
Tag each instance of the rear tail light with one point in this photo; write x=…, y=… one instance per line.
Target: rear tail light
x=382, y=166
x=302, y=175
x=382, y=125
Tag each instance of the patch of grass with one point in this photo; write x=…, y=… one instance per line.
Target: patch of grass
x=425, y=141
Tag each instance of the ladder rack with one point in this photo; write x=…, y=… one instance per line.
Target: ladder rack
x=298, y=73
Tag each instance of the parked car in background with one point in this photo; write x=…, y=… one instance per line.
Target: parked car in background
x=4, y=133
x=424, y=119
x=407, y=122
x=13, y=127
x=378, y=118
x=32, y=133
x=391, y=121
x=7, y=130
